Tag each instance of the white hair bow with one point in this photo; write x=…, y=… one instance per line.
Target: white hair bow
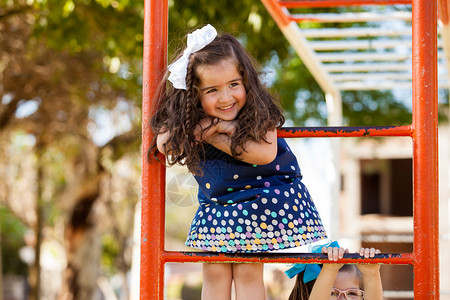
x=196, y=41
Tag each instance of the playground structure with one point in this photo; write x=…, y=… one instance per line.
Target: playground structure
x=423, y=131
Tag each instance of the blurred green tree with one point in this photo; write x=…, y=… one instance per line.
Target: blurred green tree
x=11, y=225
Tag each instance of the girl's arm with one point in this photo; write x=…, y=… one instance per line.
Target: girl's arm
x=373, y=289
x=324, y=282
x=256, y=152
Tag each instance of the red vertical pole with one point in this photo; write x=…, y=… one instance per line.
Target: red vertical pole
x=153, y=174
x=425, y=126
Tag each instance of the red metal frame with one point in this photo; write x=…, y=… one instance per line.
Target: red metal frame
x=153, y=175
x=333, y=3
x=332, y=131
x=443, y=10
x=423, y=131
x=425, y=157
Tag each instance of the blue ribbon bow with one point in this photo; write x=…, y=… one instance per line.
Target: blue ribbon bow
x=311, y=270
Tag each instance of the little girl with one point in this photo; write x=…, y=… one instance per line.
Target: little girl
x=218, y=119
x=337, y=281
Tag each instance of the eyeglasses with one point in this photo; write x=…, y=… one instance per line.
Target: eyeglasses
x=350, y=294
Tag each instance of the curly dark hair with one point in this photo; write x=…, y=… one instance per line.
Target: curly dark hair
x=179, y=111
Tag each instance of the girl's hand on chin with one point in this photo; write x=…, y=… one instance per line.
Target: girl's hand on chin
x=200, y=133
x=226, y=127
x=216, y=126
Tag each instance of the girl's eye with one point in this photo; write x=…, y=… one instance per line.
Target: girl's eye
x=234, y=84
x=211, y=91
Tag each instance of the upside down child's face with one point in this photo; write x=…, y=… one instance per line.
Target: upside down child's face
x=223, y=93
x=346, y=281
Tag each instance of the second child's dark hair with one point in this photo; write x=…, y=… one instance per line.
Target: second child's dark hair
x=179, y=111
x=301, y=290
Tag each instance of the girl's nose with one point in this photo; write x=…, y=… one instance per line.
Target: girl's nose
x=225, y=95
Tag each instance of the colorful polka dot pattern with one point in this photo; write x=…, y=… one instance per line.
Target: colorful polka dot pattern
x=253, y=208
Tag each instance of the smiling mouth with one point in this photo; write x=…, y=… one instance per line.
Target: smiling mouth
x=226, y=107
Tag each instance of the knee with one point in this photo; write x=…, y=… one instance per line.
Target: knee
x=217, y=273
x=248, y=272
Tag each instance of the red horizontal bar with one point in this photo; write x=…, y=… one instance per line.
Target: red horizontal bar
x=285, y=258
x=333, y=3
x=362, y=131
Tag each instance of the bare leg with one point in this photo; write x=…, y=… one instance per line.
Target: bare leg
x=217, y=279
x=248, y=280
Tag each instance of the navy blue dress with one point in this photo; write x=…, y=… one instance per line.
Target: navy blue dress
x=253, y=208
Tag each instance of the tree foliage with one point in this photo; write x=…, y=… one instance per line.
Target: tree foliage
x=11, y=243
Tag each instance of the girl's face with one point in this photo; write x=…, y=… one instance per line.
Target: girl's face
x=223, y=93
x=346, y=283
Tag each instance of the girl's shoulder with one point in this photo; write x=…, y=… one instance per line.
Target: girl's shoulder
x=282, y=143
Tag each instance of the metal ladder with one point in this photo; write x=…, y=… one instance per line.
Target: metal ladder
x=422, y=131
